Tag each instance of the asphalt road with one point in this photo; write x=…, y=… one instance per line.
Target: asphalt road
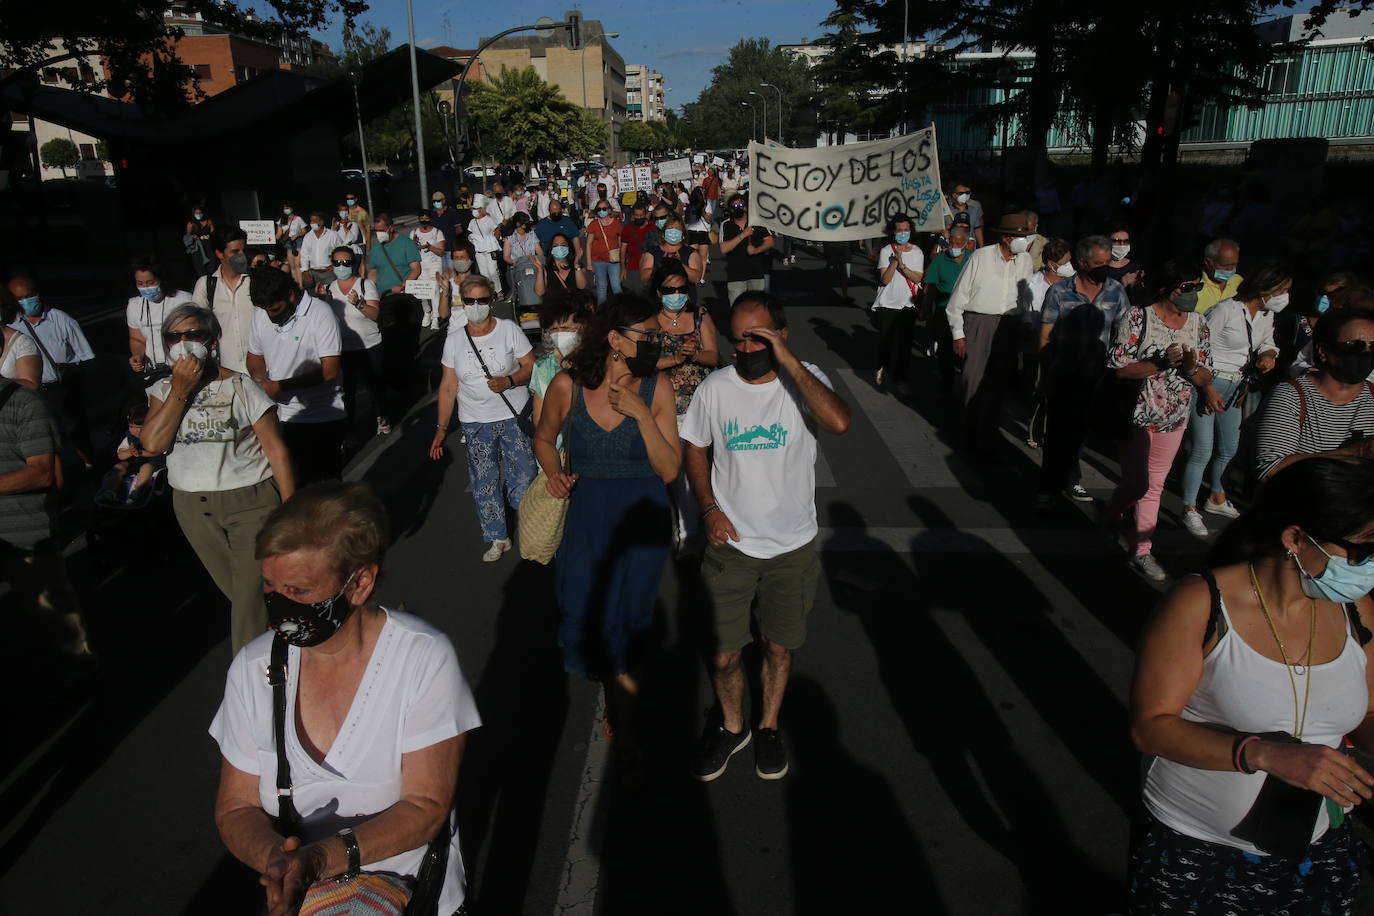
x=956, y=720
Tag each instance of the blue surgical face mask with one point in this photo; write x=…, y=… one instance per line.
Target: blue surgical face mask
x=660, y=223
x=1221, y=276
x=151, y=293
x=560, y=252
x=31, y=306
x=901, y=238
x=672, y=236
x=342, y=272
x=1323, y=303
x=1341, y=581
x=675, y=302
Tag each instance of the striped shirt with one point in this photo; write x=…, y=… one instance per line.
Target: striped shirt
x=1325, y=426
x=27, y=431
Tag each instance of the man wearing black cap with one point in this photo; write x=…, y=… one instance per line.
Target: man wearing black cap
x=984, y=325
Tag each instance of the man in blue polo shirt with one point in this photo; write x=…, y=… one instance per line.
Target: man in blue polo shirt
x=555, y=223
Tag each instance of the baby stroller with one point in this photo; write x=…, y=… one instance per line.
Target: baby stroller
x=132, y=519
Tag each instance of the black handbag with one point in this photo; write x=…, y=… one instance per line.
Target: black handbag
x=66, y=372
x=429, y=880
x=524, y=418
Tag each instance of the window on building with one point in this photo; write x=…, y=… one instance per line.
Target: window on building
x=87, y=151
x=50, y=74
x=1282, y=77
x=203, y=72
x=17, y=117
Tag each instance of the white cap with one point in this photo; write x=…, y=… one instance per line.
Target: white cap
x=479, y=200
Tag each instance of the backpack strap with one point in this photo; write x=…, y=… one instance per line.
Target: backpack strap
x=1216, y=622
x=1361, y=632
x=1302, y=401
x=211, y=284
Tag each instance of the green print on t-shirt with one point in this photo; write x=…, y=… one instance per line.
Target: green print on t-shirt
x=754, y=438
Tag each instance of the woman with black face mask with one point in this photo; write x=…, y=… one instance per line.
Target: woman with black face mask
x=367, y=708
x=622, y=445
x=1330, y=412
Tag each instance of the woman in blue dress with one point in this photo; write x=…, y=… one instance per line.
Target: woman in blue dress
x=623, y=450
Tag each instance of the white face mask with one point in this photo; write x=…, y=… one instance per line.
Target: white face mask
x=1119, y=252
x=565, y=341
x=477, y=313
x=192, y=348
x=1019, y=245
x=381, y=235
x=1065, y=270
x=963, y=198
x=1276, y=303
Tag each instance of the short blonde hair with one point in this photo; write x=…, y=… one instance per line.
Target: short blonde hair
x=472, y=281
x=346, y=519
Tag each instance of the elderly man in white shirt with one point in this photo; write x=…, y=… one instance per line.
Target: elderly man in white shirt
x=317, y=246
x=984, y=324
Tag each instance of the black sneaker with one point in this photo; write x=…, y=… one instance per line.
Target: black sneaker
x=717, y=747
x=770, y=757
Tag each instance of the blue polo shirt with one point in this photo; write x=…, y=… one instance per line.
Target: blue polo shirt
x=392, y=261
x=1083, y=327
x=547, y=228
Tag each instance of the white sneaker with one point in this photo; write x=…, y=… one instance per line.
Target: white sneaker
x=1192, y=520
x=1078, y=494
x=495, y=550
x=1149, y=567
x=1224, y=509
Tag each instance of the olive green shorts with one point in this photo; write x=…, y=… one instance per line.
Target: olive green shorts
x=785, y=587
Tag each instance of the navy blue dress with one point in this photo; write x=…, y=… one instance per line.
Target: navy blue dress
x=615, y=542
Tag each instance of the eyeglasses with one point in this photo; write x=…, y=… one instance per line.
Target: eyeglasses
x=477, y=300
x=651, y=336
x=1125, y=241
x=340, y=263
x=1190, y=287
x=1353, y=347
x=1356, y=553
x=196, y=334
x=669, y=290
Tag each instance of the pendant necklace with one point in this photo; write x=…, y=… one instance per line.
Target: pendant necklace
x=1305, y=669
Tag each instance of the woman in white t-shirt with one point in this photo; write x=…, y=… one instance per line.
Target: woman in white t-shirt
x=901, y=265
x=144, y=315
x=373, y=731
x=430, y=240
x=20, y=360
x=356, y=304
x=487, y=368
x=226, y=461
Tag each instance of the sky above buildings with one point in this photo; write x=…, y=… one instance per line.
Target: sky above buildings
x=683, y=41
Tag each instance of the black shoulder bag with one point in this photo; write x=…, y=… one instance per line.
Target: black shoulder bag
x=522, y=418
x=66, y=372
x=429, y=880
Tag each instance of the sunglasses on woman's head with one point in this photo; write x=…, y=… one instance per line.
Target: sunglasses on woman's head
x=196, y=334
x=477, y=300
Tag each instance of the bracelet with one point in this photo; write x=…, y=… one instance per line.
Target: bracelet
x=1238, y=754
x=511, y=381
x=355, y=859
x=443, y=426
x=709, y=509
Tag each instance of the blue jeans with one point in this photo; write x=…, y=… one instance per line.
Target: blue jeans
x=606, y=273
x=1205, y=430
x=495, y=449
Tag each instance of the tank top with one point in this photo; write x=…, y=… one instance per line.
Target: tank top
x=616, y=455
x=1249, y=692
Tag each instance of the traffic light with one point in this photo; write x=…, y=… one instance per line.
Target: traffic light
x=573, y=19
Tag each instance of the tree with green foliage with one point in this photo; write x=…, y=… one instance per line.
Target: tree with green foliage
x=590, y=137
x=641, y=137
x=518, y=117
x=59, y=153
x=102, y=151
x=717, y=117
x=138, y=43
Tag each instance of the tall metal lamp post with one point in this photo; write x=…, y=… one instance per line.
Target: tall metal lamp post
x=754, y=115
x=764, y=99
x=779, y=92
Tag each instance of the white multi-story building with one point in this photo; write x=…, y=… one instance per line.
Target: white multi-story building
x=644, y=93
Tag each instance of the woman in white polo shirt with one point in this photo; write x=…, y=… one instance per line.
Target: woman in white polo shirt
x=226, y=461
x=357, y=306
x=487, y=366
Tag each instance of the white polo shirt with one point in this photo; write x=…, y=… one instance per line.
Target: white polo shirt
x=235, y=313
x=316, y=249
x=296, y=347
x=146, y=317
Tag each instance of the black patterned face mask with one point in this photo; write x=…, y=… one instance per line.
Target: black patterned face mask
x=307, y=625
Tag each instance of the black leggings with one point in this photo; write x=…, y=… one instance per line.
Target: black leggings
x=896, y=332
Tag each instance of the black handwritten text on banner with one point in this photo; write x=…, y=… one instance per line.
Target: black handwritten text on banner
x=848, y=192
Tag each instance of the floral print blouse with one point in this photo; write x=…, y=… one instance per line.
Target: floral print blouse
x=689, y=375
x=1165, y=397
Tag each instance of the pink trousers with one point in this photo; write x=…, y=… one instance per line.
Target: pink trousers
x=1145, y=461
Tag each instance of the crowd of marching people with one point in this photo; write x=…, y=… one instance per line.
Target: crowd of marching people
x=609, y=420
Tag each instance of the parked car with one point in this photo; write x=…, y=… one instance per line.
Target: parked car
x=594, y=165
x=479, y=171
x=351, y=174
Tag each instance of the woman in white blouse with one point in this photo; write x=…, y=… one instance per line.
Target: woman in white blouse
x=1242, y=331
x=19, y=360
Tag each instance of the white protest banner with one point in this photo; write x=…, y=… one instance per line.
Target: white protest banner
x=675, y=170
x=699, y=158
x=625, y=177
x=717, y=161
x=422, y=289
x=644, y=178
x=848, y=192
x=260, y=231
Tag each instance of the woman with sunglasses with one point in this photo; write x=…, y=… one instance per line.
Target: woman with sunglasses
x=357, y=305
x=226, y=461
x=1243, y=348
x=487, y=366
x=690, y=353
x=623, y=447
x=1329, y=412
x=1162, y=351
x=1247, y=680
x=462, y=265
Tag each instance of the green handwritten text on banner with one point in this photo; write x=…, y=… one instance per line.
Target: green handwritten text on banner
x=848, y=192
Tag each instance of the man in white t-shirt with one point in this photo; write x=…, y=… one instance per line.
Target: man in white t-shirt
x=316, y=247
x=294, y=354
x=757, y=490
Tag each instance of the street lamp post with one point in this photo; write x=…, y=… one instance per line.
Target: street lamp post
x=415, y=98
x=764, y=99
x=362, y=141
x=779, y=92
x=754, y=122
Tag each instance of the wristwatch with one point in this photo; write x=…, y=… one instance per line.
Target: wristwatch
x=355, y=861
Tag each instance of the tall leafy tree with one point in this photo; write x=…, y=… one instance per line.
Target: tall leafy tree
x=718, y=117
x=59, y=153
x=518, y=117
